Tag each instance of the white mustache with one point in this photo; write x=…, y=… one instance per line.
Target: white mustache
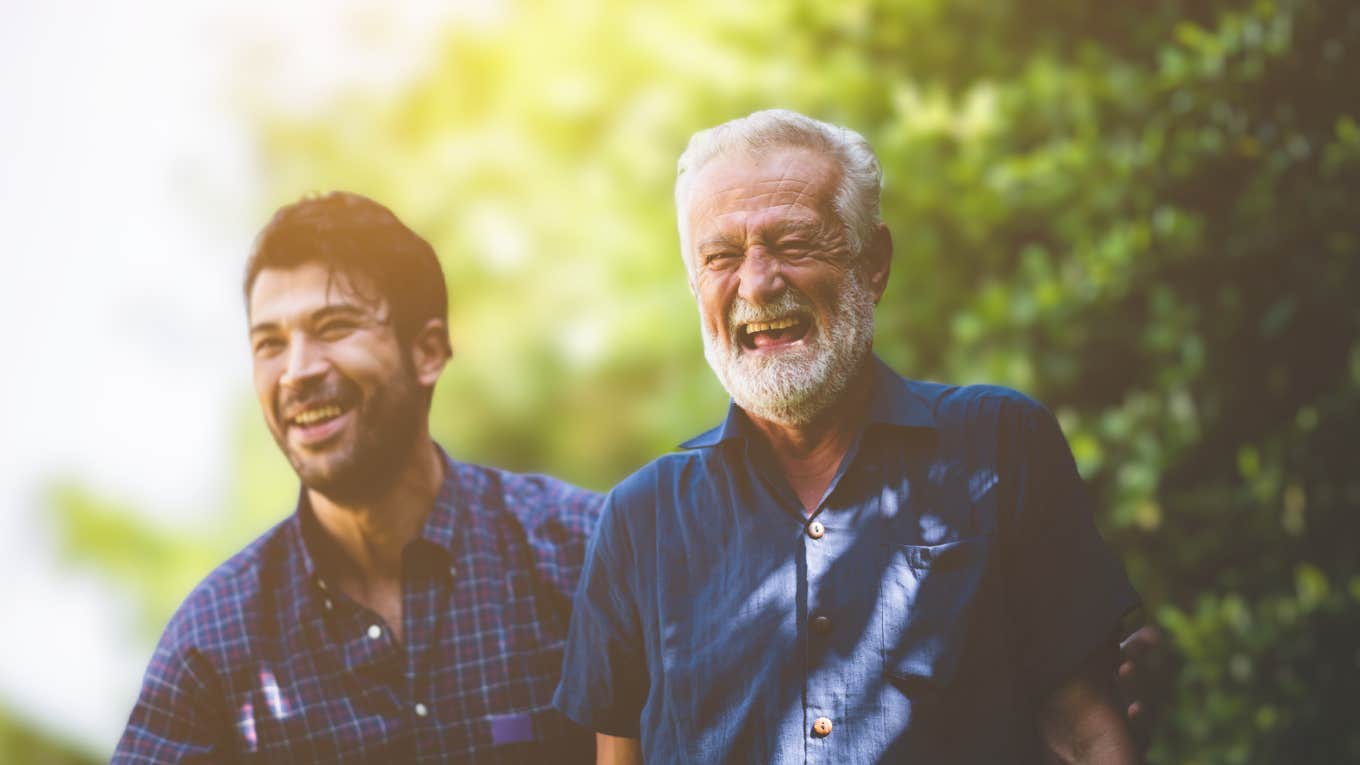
x=744, y=312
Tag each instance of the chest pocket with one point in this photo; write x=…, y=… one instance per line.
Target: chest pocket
x=929, y=599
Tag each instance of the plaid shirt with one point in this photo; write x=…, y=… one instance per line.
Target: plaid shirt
x=266, y=662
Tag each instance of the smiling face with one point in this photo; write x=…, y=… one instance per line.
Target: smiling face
x=339, y=391
x=786, y=309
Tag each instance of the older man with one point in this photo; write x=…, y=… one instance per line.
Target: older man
x=854, y=567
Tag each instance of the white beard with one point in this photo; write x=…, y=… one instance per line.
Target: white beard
x=794, y=386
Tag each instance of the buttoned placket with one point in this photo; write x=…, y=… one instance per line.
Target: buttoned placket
x=819, y=714
x=421, y=627
x=428, y=582
x=360, y=633
x=824, y=694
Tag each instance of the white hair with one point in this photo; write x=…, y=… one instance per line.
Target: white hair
x=857, y=194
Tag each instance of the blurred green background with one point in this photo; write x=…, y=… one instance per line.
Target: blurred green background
x=1144, y=214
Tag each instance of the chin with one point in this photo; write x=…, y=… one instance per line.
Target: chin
x=350, y=488
x=794, y=408
x=319, y=474
x=795, y=386
x=789, y=388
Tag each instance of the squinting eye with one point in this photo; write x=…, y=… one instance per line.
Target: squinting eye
x=336, y=329
x=267, y=345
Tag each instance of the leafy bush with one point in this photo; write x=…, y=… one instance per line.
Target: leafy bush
x=1143, y=213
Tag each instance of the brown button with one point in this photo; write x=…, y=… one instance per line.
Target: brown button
x=821, y=625
x=822, y=726
x=816, y=530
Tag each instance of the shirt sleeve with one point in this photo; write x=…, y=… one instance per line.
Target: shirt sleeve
x=178, y=716
x=1066, y=589
x=604, y=672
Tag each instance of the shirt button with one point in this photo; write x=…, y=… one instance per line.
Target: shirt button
x=822, y=726
x=821, y=625
x=421, y=710
x=330, y=604
x=321, y=583
x=374, y=631
x=453, y=571
x=816, y=530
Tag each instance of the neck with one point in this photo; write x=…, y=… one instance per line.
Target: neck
x=809, y=454
x=373, y=534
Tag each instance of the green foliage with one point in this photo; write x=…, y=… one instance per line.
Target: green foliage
x=21, y=743
x=1141, y=213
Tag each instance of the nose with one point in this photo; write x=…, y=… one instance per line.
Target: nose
x=305, y=362
x=761, y=277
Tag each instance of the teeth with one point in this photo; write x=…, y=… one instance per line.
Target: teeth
x=755, y=327
x=316, y=415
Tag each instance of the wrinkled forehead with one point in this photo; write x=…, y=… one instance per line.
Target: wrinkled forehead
x=289, y=295
x=788, y=180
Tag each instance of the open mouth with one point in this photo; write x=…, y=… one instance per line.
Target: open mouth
x=318, y=421
x=769, y=334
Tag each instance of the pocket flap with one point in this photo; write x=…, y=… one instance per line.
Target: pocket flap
x=928, y=600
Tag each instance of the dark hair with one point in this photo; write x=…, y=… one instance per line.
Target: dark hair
x=353, y=235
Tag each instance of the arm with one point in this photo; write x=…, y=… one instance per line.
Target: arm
x=604, y=681
x=178, y=716
x=1068, y=593
x=615, y=750
x=1080, y=721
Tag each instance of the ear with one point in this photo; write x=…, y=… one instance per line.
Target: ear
x=430, y=351
x=878, y=261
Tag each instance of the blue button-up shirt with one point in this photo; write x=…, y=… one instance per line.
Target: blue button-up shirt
x=267, y=662
x=950, y=578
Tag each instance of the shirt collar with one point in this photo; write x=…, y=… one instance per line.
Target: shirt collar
x=442, y=520
x=729, y=429
x=898, y=401
x=894, y=401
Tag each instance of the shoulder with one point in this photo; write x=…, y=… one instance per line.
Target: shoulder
x=658, y=496
x=981, y=412
x=544, y=518
x=219, y=611
x=537, y=502
x=552, y=495
x=659, y=481
x=990, y=425
x=215, y=628
x=969, y=405
x=184, y=704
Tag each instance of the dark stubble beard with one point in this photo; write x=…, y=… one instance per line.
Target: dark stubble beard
x=387, y=424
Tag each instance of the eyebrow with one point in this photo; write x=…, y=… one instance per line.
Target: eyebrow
x=719, y=241
x=795, y=228
x=776, y=232
x=319, y=315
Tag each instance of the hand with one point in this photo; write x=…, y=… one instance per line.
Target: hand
x=1082, y=721
x=1141, y=659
